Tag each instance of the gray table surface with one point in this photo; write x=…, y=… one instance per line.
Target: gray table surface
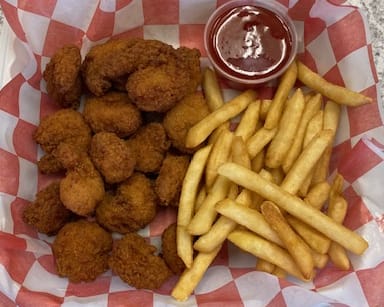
x=374, y=11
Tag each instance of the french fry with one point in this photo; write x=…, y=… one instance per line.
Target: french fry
x=202, y=221
x=191, y=277
x=201, y=195
x=264, y=249
x=249, y=120
x=187, y=201
x=318, y=194
x=264, y=108
x=277, y=175
x=264, y=266
x=257, y=200
x=212, y=91
x=282, y=141
x=276, y=108
x=320, y=260
x=331, y=122
x=311, y=107
x=190, y=185
x=259, y=140
x=200, y=131
x=279, y=272
x=337, y=210
x=315, y=240
x=240, y=153
x=221, y=228
x=216, y=133
x=296, y=247
x=337, y=185
x=249, y=218
x=219, y=154
x=257, y=163
x=184, y=243
x=315, y=125
x=295, y=206
x=334, y=92
x=306, y=162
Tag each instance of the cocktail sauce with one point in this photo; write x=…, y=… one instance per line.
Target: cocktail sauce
x=250, y=42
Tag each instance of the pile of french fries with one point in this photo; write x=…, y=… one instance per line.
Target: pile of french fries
x=264, y=185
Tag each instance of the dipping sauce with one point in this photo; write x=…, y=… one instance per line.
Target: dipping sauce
x=250, y=42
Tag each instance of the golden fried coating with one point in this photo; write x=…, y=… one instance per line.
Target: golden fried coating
x=149, y=144
x=159, y=88
x=81, y=250
x=132, y=208
x=82, y=188
x=63, y=126
x=110, y=61
x=182, y=117
x=112, y=156
x=169, y=250
x=62, y=75
x=135, y=262
x=170, y=179
x=48, y=164
x=47, y=213
x=113, y=112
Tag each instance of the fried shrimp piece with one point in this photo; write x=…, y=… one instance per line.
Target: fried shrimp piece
x=169, y=250
x=82, y=188
x=116, y=58
x=112, y=156
x=63, y=78
x=64, y=126
x=135, y=262
x=48, y=164
x=150, y=144
x=158, y=89
x=113, y=112
x=47, y=213
x=182, y=117
x=81, y=250
x=132, y=207
x=168, y=183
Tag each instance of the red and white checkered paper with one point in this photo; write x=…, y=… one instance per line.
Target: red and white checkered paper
x=334, y=41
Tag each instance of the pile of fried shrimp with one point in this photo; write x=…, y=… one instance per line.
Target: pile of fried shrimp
x=133, y=133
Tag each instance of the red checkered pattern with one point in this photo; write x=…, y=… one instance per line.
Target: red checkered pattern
x=334, y=42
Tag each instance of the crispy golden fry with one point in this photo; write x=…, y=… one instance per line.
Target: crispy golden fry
x=184, y=245
x=240, y=153
x=190, y=278
x=222, y=227
x=286, y=132
x=279, y=272
x=186, y=203
x=216, y=133
x=296, y=247
x=219, y=154
x=205, y=216
x=315, y=240
x=264, y=108
x=259, y=140
x=276, y=108
x=318, y=194
x=306, y=162
x=311, y=107
x=331, y=122
x=295, y=206
x=266, y=250
x=337, y=185
x=320, y=260
x=212, y=91
x=257, y=163
x=264, y=266
x=201, y=195
x=199, y=132
x=334, y=92
x=249, y=120
x=337, y=210
x=249, y=218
